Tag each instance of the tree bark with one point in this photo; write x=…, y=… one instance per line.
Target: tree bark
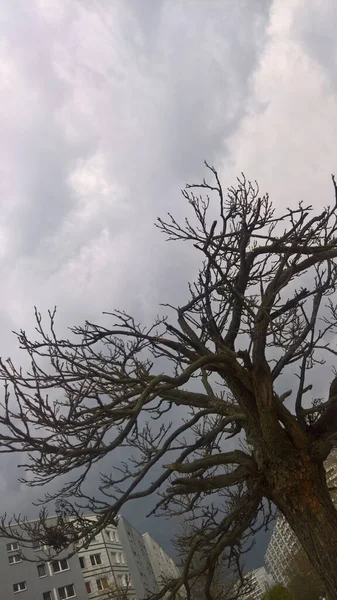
x=299, y=490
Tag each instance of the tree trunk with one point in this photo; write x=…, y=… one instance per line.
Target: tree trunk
x=299, y=490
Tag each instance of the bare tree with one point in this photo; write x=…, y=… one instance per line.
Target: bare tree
x=223, y=585
x=261, y=310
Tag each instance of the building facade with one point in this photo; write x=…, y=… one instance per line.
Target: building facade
x=104, y=565
x=284, y=545
x=37, y=578
x=162, y=565
x=116, y=559
x=141, y=572
x=257, y=584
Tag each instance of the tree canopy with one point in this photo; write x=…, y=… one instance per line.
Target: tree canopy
x=208, y=402
x=278, y=592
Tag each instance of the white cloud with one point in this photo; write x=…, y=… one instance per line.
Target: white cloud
x=51, y=10
x=107, y=111
x=90, y=178
x=287, y=140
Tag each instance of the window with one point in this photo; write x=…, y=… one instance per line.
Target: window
x=14, y=558
x=60, y=565
x=67, y=591
x=12, y=546
x=82, y=562
x=117, y=558
x=102, y=584
x=36, y=545
x=95, y=559
x=111, y=535
x=88, y=586
x=47, y=596
x=19, y=587
x=124, y=580
x=41, y=570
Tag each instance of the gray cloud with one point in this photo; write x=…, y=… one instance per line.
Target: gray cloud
x=316, y=31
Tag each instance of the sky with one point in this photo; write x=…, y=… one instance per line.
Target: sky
x=108, y=107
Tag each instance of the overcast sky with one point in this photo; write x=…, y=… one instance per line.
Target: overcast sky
x=108, y=107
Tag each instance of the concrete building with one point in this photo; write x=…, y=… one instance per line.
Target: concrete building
x=103, y=565
x=117, y=558
x=41, y=579
x=283, y=544
x=258, y=582
x=141, y=572
x=282, y=547
x=162, y=565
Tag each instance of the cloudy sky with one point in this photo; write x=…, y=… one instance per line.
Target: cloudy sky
x=108, y=107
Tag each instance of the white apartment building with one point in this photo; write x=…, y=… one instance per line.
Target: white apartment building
x=283, y=544
x=133, y=560
x=103, y=565
x=162, y=565
x=258, y=582
x=142, y=575
x=116, y=559
x=282, y=547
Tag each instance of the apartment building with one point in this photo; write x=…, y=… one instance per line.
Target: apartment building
x=283, y=544
x=141, y=572
x=37, y=578
x=162, y=565
x=103, y=565
x=116, y=559
x=257, y=582
x=282, y=547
